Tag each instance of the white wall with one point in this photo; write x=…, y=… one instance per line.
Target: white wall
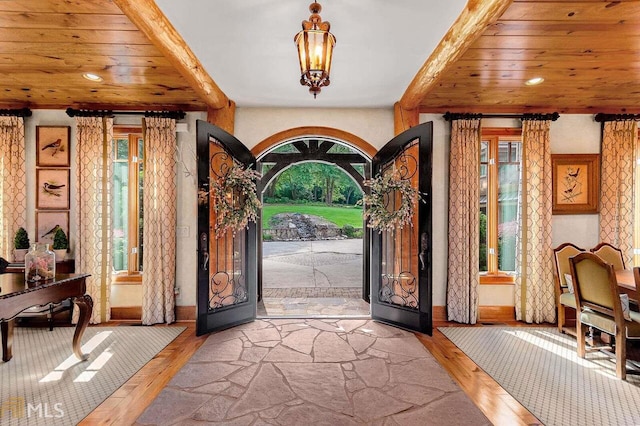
x=252, y=125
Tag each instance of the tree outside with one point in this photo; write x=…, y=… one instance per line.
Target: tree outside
x=317, y=189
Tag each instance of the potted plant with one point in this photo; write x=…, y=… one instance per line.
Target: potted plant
x=21, y=245
x=60, y=244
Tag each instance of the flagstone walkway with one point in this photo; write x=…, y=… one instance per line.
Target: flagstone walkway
x=312, y=372
x=312, y=279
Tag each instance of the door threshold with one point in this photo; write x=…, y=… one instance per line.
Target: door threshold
x=270, y=317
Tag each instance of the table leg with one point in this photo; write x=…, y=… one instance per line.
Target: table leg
x=7, y=339
x=85, y=307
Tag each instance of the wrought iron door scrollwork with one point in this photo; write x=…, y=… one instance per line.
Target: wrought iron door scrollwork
x=406, y=165
x=225, y=290
x=399, y=289
x=220, y=164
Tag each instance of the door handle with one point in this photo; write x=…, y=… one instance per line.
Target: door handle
x=204, y=248
x=424, y=242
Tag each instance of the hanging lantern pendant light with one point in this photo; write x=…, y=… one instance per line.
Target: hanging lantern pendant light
x=315, y=50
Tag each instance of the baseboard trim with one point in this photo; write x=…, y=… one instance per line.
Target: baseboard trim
x=439, y=313
x=496, y=313
x=134, y=313
x=188, y=313
x=185, y=313
x=126, y=313
x=485, y=313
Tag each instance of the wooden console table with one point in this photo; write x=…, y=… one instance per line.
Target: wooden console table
x=66, y=266
x=16, y=296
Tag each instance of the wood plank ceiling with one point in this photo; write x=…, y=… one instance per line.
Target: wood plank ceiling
x=46, y=46
x=587, y=52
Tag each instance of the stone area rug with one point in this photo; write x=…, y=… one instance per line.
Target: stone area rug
x=540, y=368
x=312, y=372
x=45, y=384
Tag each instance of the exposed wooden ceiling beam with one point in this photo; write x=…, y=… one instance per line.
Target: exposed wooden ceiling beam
x=474, y=19
x=146, y=15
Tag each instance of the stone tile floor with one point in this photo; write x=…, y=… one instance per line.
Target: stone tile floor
x=312, y=372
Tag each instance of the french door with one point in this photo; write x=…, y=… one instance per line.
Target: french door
x=227, y=264
x=401, y=287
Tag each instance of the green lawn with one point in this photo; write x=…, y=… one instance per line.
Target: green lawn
x=339, y=215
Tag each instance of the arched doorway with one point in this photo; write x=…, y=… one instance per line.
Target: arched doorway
x=320, y=279
x=400, y=262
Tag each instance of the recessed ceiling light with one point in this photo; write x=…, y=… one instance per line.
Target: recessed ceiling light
x=534, y=81
x=92, y=77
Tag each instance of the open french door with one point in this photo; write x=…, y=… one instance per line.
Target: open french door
x=401, y=287
x=227, y=264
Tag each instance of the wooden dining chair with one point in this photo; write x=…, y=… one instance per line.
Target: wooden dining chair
x=564, y=298
x=611, y=254
x=636, y=279
x=599, y=306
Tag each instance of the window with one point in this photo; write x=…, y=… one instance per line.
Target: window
x=128, y=178
x=500, y=153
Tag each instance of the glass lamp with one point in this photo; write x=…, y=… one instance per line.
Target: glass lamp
x=315, y=50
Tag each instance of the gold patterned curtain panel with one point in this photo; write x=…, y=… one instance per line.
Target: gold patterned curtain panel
x=619, y=144
x=94, y=170
x=13, y=192
x=534, y=291
x=159, y=241
x=464, y=203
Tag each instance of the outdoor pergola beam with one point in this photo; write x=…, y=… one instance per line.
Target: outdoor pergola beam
x=149, y=19
x=474, y=19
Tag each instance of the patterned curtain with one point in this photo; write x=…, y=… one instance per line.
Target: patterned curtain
x=92, y=228
x=619, y=142
x=464, y=217
x=13, y=192
x=159, y=240
x=535, y=299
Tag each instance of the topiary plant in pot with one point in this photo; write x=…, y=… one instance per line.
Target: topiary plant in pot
x=60, y=244
x=21, y=245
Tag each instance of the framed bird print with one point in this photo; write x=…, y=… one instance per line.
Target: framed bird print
x=52, y=146
x=47, y=223
x=52, y=189
x=576, y=183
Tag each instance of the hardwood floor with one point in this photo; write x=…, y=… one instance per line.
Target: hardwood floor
x=128, y=402
x=498, y=405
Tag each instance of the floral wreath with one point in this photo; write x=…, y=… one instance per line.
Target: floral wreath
x=377, y=214
x=235, y=199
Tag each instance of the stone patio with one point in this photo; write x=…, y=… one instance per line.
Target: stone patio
x=312, y=372
x=312, y=279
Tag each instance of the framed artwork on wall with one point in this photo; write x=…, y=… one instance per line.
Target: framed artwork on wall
x=47, y=223
x=52, y=189
x=576, y=183
x=52, y=146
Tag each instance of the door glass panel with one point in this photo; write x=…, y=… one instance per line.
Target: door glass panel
x=227, y=285
x=399, y=280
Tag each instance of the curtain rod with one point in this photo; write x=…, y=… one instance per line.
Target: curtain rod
x=177, y=115
x=449, y=116
x=22, y=112
x=601, y=117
